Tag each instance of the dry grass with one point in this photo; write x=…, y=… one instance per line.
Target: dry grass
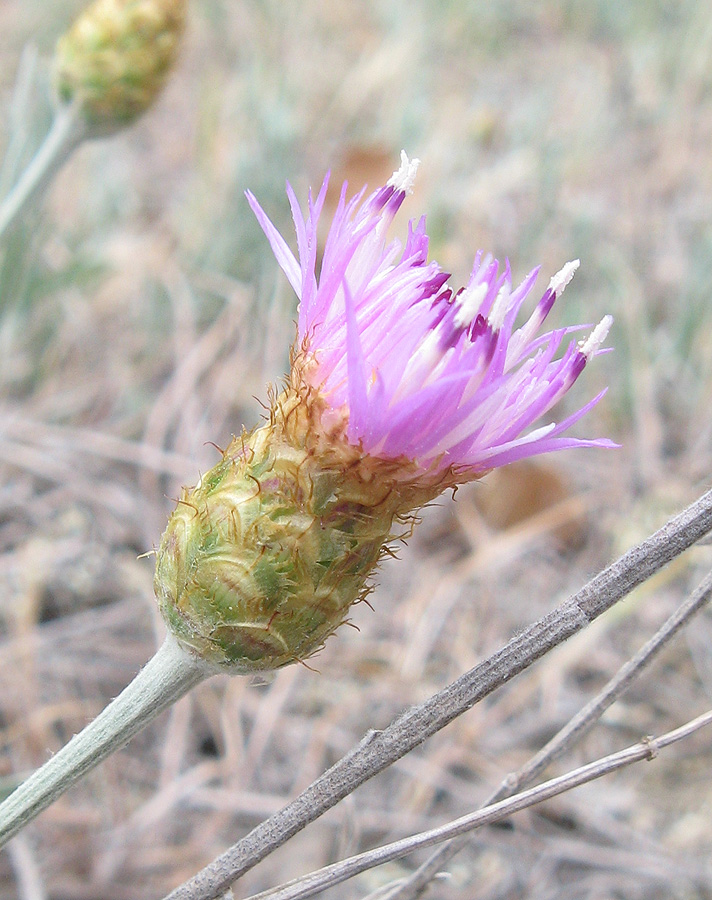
x=140, y=313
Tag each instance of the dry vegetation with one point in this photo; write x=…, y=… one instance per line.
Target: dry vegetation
x=141, y=313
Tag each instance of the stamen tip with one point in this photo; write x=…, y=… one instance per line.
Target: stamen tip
x=563, y=277
x=468, y=303
x=500, y=307
x=403, y=178
x=593, y=342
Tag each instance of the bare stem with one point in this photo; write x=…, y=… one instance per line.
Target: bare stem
x=170, y=674
x=66, y=132
x=379, y=750
x=309, y=885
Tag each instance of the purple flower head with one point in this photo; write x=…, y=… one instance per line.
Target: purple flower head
x=414, y=367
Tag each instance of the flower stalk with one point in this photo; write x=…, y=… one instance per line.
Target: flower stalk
x=169, y=675
x=67, y=131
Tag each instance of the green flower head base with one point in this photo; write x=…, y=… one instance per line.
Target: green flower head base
x=400, y=387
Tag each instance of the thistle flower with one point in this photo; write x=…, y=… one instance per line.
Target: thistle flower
x=114, y=59
x=400, y=387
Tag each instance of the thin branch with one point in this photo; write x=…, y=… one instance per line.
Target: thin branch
x=309, y=885
x=573, y=731
x=379, y=750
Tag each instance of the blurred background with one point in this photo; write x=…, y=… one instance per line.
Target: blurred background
x=141, y=316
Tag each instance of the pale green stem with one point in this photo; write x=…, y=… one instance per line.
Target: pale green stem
x=68, y=129
x=170, y=674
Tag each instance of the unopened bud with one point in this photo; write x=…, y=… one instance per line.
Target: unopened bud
x=114, y=59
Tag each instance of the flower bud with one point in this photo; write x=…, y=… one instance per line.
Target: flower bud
x=114, y=59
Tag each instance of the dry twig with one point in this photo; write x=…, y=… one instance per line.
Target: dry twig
x=314, y=883
x=573, y=731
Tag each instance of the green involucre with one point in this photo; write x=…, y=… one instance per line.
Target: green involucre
x=262, y=560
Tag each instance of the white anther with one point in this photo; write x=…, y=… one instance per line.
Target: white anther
x=404, y=178
x=499, y=308
x=596, y=338
x=468, y=303
x=563, y=277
